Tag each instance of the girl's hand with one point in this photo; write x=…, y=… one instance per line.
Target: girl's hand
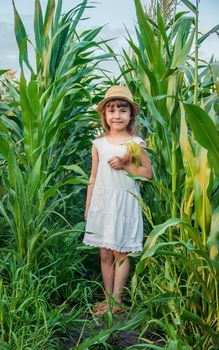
x=115, y=163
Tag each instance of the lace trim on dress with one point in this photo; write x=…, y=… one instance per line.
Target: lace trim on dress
x=112, y=246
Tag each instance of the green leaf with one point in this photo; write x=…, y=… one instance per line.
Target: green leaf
x=91, y=34
x=158, y=231
x=4, y=147
x=38, y=27
x=145, y=346
x=31, y=115
x=3, y=71
x=201, y=185
x=205, y=132
x=146, y=33
x=47, y=240
x=188, y=155
x=190, y=5
x=158, y=246
x=129, y=325
x=15, y=176
x=3, y=211
x=215, y=73
x=48, y=17
x=34, y=179
x=182, y=44
x=77, y=169
x=191, y=316
x=154, y=111
x=161, y=26
x=70, y=181
x=57, y=15
x=213, y=239
x=21, y=35
x=3, y=128
x=11, y=125
x=150, y=75
x=205, y=36
x=81, y=9
x=76, y=181
x=101, y=337
x=198, y=177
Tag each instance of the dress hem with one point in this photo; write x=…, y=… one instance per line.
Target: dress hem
x=113, y=247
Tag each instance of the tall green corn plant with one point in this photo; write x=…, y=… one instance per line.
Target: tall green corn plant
x=45, y=129
x=161, y=76
x=52, y=104
x=204, y=174
x=200, y=157
x=162, y=49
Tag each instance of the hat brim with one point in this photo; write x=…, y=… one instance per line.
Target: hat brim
x=102, y=103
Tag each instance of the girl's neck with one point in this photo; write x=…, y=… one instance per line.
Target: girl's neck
x=119, y=134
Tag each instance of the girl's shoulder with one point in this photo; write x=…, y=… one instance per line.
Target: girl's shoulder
x=139, y=141
x=98, y=141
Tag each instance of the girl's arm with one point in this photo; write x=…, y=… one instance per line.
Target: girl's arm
x=144, y=169
x=95, y=161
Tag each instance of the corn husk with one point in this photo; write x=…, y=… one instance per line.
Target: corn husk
x=134, y=153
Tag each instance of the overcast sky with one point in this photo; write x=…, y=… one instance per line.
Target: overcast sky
x=115, y=14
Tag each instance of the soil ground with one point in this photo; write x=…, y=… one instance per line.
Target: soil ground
x=119, y=340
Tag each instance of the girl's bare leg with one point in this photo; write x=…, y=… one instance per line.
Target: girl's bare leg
x=115, y=269
x=107, y=268
x=122, y=267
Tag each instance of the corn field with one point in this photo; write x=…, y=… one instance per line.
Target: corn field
x=49, y=280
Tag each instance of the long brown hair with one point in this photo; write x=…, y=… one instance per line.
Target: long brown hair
x=131, y=125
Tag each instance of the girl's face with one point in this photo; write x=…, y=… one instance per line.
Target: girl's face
x=118, y=114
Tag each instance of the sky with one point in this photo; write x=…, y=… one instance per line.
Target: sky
x=114, y=14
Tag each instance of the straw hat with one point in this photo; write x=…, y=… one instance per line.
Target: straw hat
x=118, y=92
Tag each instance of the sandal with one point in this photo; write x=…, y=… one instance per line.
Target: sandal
x=100, y=305
x=116, y=308
x=100, y=308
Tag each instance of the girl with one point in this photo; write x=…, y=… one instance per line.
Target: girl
x=113, y=215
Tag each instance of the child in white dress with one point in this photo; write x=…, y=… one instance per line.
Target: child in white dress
x=113, y=215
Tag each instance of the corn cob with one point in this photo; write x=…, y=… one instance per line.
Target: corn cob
x=134, y=153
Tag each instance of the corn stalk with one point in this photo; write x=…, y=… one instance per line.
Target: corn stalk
x=50, y=108
x=167, y=85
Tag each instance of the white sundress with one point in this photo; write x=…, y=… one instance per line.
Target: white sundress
x=114, y=218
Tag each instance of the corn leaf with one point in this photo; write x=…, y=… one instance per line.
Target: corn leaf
x=31, y=117
x=76, y=169
x=205, y=133
x=213, y=239
x=158, y=231
x=57, y=15
x=215, y=73
x=189, y=159
x=4, y=147
x=48, y=17
x=3, y=71
x=182, y=44
x=34, y=179
x=15, y=176
x=21, y=37
x=80, y=12
x=38, y=27
x=190, y=5
x=202, y=202
x=146, y=33
x=188, y=315
x=161, y=26
x=205, y=36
